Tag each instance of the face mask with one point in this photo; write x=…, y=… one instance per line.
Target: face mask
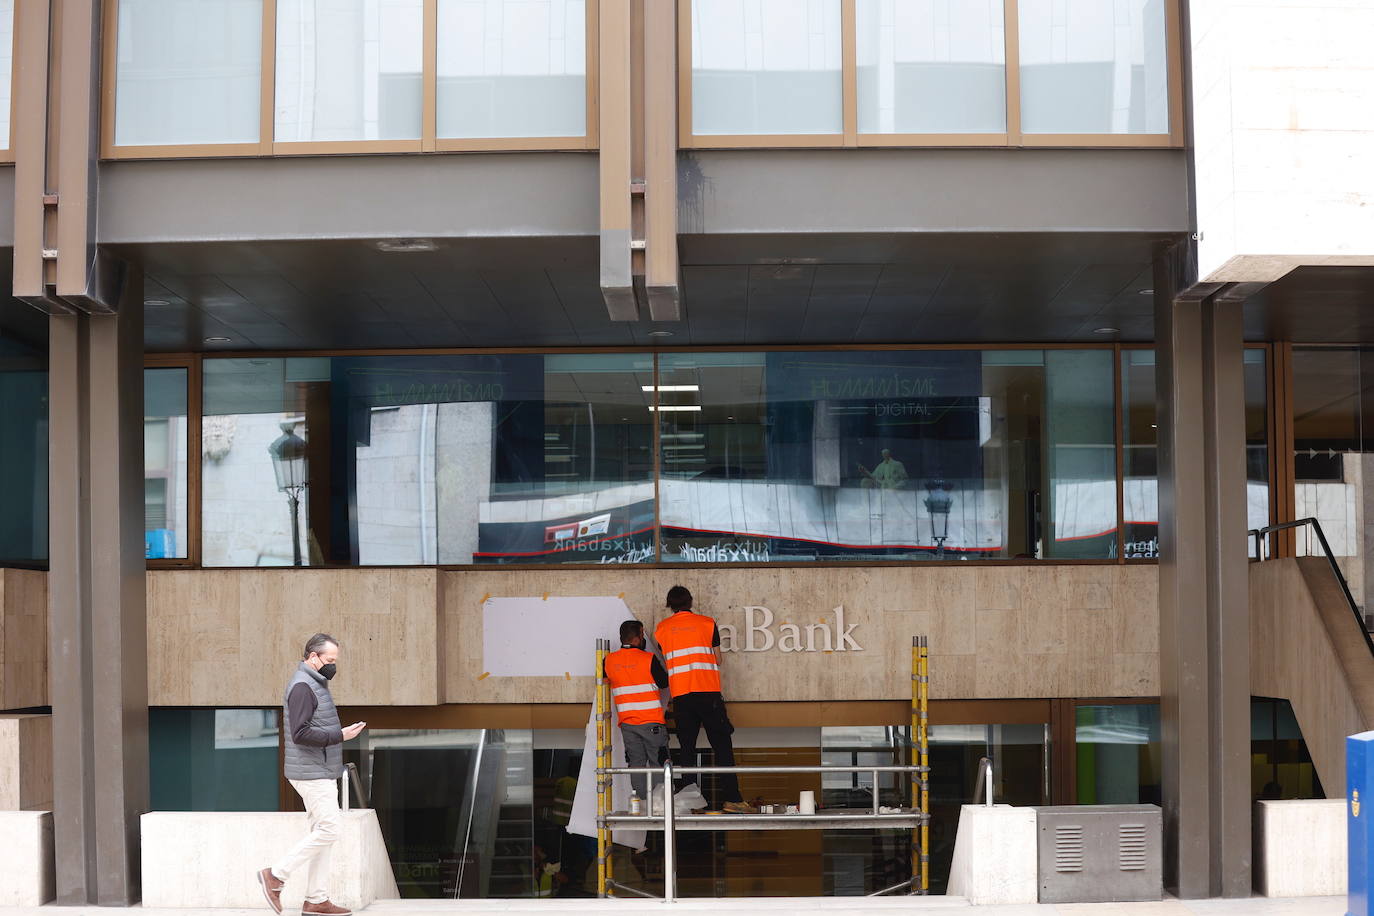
x=328, y=671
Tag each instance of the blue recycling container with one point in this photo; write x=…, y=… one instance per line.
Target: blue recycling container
x=1359, y=819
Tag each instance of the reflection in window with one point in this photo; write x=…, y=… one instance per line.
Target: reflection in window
x=764, y=67
x=349, y=69
x=165, y=438
x=213, y=759
x=1094, y=67
x=1280, y=765
x=188, y=72
x=6, y=68
x=931, y=66
x=1118, y=754
x=882, y=455
x=512, y=68
x=1140, y=460
x=23, y=453
x=1332, y=444
x=430, y=459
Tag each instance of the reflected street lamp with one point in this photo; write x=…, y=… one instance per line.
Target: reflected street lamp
x=938, y=504
x=288, y=461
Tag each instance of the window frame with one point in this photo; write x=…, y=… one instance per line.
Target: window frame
x=268, y=145
x=1013, y=137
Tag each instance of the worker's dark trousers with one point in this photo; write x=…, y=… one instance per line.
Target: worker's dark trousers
x=694, y=711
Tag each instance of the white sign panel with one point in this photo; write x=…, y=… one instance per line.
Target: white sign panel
x=548, y=637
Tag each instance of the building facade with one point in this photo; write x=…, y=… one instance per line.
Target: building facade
x=997, y=322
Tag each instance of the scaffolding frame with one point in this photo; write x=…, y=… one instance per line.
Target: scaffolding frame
x=917, y=817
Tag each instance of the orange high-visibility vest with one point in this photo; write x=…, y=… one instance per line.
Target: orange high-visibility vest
x=633, y=690
x=685, y=639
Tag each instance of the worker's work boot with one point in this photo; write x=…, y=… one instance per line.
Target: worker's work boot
x=739, y=807
x=324, y=909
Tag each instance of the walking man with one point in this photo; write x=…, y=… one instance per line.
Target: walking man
x=636, y=677
x=691, y=649
x=314, y=762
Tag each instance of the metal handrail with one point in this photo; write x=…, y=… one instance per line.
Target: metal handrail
x=1261, y=534
x=669, y=815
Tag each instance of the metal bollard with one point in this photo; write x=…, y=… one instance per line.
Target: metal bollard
x=669, y=840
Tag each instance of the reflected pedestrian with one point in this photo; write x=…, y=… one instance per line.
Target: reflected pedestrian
x=314, y=762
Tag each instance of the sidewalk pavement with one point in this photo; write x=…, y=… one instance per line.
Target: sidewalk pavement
x=850, y=906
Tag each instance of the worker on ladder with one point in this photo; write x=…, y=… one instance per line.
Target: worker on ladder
x=636, y=676
x=691, y=648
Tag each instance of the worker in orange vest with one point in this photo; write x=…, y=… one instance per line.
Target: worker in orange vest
x=690, y=643
x=636, y=677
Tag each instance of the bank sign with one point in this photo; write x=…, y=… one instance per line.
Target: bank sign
x=760, y=635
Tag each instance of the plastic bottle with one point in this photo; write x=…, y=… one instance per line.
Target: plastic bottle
x=634, y=803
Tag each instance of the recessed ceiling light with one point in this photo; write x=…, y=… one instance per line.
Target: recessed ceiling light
x=660, y=333
x=671, y=387
x=676, y=408
x=1147, y=291
x=405, y=245
x=156, y=303
x=216, y=340
x=1106, y=330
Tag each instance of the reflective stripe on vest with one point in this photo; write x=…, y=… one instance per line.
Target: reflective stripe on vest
x=685, y=639
x=633, y=690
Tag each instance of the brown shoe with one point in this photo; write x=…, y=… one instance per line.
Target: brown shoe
x=271, y=888
x=325, y=909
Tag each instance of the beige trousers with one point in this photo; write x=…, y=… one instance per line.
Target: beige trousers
x=321, y=797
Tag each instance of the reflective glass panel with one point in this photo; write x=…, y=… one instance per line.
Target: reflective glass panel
x=6, y=68
x=1118, y=754
x=889, y=454
x=1094, y=66
x=188, y=71
x=1280, y=764
x=349, y=69
x=762, y=67
x=406, y=460
x=512, y=68
x=214, y=759
x=165, y=438
x=931, y=66
x=1140, y=432
x=23, y=453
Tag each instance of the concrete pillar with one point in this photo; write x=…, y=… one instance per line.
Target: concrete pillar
x=97, y=615
x=1204, y=657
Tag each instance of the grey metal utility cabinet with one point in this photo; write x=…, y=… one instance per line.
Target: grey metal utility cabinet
x=1100, y=853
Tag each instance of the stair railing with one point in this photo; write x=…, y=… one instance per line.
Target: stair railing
x=1261, y=537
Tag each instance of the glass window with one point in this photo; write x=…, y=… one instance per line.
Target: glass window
x=165, y=443
x=214, y=759
x=6, y=68
x=188, y=72
x=23, y=453
x=1094, y=66
x=1280, y=765
x=931, y=66
x=349, y=69
x=1118, y=754
x=519, y=458
x=1140, y=460
x=512, y=68
x=886, y=455
x=766, y=67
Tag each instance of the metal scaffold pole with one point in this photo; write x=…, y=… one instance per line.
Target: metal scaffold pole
x=920, y=778
x=603, y=779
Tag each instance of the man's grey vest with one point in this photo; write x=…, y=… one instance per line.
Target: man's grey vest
x=302, y=760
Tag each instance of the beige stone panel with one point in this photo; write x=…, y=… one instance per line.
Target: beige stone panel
x=232, y=637
x=1089, y=587
x=1135, y=675
x=23, y=638
x=953, y=677
x=998, y=587
x=1136, y=601
x=1042, y=626
x=951, y=600
x=25, y=762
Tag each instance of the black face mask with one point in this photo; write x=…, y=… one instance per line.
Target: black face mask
x=328, y=671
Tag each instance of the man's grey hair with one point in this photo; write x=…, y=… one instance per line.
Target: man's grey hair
x=317, y=643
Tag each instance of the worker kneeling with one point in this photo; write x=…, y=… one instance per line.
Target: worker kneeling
x=636, y=677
